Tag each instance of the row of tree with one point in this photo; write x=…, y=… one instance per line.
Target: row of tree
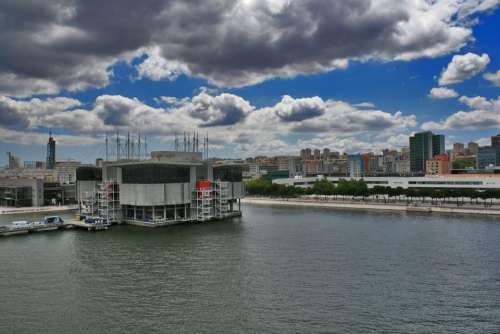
x=359, y=188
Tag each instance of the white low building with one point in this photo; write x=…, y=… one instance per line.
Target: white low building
x=446, y=181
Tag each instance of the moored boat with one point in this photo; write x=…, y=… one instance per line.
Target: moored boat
x=17, y=227
x=55, y=220
x=97, y=223
x=50, y=223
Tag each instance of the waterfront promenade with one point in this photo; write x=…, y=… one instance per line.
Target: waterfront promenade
x=32, y=209
x=372, y=204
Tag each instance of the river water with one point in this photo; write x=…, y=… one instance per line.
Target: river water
x=274, y=270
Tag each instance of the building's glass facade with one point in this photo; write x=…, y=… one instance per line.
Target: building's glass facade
x=151, y=174
x=488, y=156
x=423, y=146
x=438, y=145
x=231, y=173
x=16, y=196
x=356, y=165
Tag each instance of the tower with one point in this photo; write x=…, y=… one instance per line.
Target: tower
x=424, y=146
x=51, y=152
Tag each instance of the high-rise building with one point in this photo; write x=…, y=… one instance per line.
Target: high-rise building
x=423, y=146
x=317, y=154
x=488, y=156
x=420, y=151
x=495, y=141
x=356, y=165
x=438, y=146
x=14, y=162
x=326, y=153
x=305, y=154
x=458, y=148
x=402, y=167
x=51, y=153
x=405, y=153
x=294, y=166
x=312, y=167
x=472, y=148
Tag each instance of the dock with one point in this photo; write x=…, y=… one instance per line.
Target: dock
x=70, y=224
x=80, y=224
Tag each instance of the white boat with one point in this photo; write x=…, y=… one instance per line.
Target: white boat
x=17, y=227
x=96, y=223
x=21, y=224
x=42, y=226
x=54, y=220
x=50, y=223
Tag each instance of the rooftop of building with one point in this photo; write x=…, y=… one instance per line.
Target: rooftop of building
x=153, y=162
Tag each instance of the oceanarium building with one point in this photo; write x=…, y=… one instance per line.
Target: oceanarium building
x=172, y=187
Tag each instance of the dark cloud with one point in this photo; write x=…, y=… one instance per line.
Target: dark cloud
x=24, y=114
x=220, y=110
x=49, y=45
x=296, y=110
x=71, y=44
x=10, y=116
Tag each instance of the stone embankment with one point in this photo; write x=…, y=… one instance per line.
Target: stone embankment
x=351, y=205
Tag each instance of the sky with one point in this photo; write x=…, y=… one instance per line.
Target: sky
x=257, y=76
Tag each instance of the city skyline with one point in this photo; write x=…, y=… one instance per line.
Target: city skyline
x=274, y=94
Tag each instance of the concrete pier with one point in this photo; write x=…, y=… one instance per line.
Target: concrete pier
x=80, y=224
x=70, y=224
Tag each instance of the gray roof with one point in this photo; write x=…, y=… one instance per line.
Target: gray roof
x=153, y=162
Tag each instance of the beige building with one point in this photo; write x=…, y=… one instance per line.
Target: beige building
x=439, y=165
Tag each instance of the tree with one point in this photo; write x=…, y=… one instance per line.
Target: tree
x=323, y=187
x=378, y=190
x=259, y=187
x=463, y=164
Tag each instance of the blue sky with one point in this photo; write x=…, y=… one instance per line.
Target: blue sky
x=97, y=87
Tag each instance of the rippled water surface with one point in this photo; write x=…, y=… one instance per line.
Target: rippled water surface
x=275, y=270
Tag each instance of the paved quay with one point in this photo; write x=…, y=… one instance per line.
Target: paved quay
x=421, y=207
x=60, y=208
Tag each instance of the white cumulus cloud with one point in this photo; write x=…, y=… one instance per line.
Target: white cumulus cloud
x=463, y=67
x=484, y=114
x=494, y=78
x=442, y=93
